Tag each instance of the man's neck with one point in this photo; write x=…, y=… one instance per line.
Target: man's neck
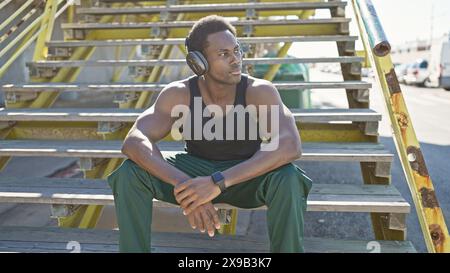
x=216, y=91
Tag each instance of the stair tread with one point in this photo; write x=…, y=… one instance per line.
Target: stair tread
x=211, y=7
x=189, y=24
x=245, y=61
x=41, y=87
x=176, y=41
x=52, y=239
x=130, y=115
x=314, y=151
x=323, y=197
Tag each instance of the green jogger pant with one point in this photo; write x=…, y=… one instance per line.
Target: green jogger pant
x=284, y=191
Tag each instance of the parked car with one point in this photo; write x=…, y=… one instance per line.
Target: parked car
x=400, y=71
x=417, y=73
x=439, y=69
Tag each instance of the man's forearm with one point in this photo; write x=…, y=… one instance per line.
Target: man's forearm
x=148, y=156
x=260, y=163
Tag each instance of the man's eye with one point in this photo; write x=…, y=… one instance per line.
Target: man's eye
x=223, y=54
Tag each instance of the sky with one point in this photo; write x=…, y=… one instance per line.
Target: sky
x=415, y=19
x=402, y=21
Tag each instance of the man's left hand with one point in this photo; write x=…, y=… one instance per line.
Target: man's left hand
x=195, y=192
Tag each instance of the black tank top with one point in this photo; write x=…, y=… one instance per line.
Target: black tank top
x=223, y=149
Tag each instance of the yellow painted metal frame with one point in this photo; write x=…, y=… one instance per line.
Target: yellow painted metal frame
x=28, y=39
x=4, y=3
x=28, y=35
x=259, y=31
x=430, y=215
x=15, y=14
x=88, y=216
x=48, y=21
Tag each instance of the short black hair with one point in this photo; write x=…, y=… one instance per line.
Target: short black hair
x=207, y=25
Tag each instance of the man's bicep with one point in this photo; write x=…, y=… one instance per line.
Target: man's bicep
x=278, y=113
x=154, y=123
x=287, y=121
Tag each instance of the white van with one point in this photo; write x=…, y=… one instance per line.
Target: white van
x=417, y=73
x=439, y=67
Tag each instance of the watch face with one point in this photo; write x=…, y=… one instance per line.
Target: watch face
x=217, y=176
x=219, y=180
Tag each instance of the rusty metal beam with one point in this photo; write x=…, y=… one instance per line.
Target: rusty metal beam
x=428, y=210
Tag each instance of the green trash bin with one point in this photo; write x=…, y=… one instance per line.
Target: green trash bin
x=299, y=98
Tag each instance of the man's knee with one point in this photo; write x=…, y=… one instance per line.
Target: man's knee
x=127, y=173
x=290, y=179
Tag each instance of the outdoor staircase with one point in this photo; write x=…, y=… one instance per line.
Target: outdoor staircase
x=30, y=127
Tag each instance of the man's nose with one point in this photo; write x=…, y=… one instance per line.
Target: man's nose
x=236, y=57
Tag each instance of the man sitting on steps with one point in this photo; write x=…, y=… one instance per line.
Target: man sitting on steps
x=234, y=156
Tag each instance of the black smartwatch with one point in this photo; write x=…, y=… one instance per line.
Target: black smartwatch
x=219, y=180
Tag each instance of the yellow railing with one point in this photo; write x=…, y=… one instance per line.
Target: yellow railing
x=27, y=35
x=419, y=181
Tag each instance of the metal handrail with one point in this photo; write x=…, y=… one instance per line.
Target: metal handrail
x=419, y=181
x=15, y=14
x=29, y=39
x=4, y=3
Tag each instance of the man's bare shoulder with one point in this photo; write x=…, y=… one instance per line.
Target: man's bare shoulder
x=260, y=91
x=176, y=92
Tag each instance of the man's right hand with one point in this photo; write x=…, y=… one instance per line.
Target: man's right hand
x=205, y=217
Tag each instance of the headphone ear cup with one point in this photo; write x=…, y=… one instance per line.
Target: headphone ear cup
x=197, y=62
